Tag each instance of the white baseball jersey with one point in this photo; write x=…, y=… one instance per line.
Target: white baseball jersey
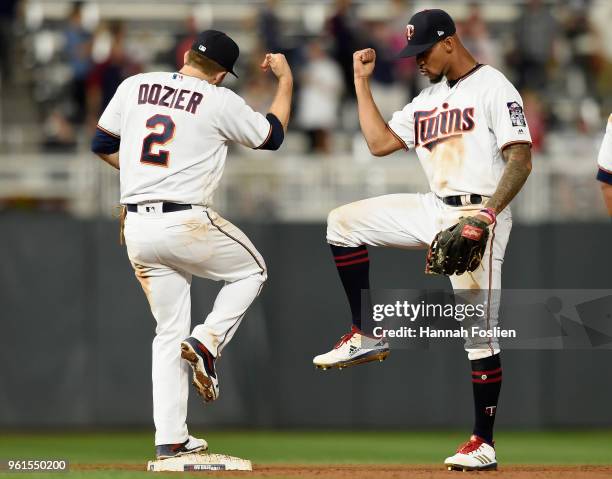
x=604, y=160
x=459, y=132
x=174, y=131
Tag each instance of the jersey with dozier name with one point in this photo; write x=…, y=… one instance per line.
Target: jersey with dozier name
x=174, y=131
x=459, y=132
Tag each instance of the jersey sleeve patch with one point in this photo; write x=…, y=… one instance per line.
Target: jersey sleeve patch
x=517, y=116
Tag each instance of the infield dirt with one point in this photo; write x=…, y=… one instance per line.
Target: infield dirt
x=379, y=471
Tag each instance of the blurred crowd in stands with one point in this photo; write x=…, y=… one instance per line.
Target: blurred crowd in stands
x=552, y=52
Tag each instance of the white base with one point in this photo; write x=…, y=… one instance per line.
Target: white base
x=200, y=462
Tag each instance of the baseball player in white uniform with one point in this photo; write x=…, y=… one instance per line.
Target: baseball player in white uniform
x=604, y=162
x=168, y=133
x=470, y=135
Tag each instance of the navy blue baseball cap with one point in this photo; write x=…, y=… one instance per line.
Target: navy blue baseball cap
x=217, y=46
x=425, y=29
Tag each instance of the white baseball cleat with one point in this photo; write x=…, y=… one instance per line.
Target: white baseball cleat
x=474, y=455
x=190, y=446
x=352, y=349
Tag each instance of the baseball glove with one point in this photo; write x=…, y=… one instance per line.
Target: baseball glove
x=459, y=248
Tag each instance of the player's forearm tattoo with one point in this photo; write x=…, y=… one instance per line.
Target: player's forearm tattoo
x=518, y=167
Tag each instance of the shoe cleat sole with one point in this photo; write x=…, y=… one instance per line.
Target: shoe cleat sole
x=460, y=468
x=203, y=384
x=368, y=358
x=196, y=450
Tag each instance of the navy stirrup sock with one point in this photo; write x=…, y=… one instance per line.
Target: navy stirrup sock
x=486, y=384
x=353, y=266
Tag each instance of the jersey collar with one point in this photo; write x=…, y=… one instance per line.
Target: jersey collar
x=452, y=83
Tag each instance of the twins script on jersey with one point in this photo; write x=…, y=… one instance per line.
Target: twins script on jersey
x=459, y=132
x=174, y=131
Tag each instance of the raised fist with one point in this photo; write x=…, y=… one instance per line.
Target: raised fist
x=363, y=62
x=278, y=64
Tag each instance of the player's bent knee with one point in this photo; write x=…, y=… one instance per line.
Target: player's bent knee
x=342, y=218
x=333, y=218
x=339, y=227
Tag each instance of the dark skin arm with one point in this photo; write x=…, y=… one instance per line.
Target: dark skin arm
x=606, y=190
x=381, y=141
x=112, y=159
x=518, y=167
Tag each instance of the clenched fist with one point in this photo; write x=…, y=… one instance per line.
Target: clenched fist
x=363, y=62
x=278, y=64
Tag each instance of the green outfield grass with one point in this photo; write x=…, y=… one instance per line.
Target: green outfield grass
x=332, y=447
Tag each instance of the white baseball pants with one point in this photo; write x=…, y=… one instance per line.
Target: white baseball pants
x=412, y=221
x=166, y=251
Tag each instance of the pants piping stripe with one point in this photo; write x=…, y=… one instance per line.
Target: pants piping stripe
x=222, y=343
x=237, y=241
x=490, y=286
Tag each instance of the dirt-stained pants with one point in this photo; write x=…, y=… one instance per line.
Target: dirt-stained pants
x=166, y=251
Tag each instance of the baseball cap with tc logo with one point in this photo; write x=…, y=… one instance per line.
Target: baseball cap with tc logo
x=425, y=29
x=217, y=46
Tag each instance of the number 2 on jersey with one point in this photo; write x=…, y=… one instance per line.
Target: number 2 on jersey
x=161, y=138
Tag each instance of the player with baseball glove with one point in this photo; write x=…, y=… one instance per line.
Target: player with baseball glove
x=470, y=134
x=459, y=248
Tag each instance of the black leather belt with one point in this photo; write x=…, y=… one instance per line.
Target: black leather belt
x=166, y=207
x=460, y=200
